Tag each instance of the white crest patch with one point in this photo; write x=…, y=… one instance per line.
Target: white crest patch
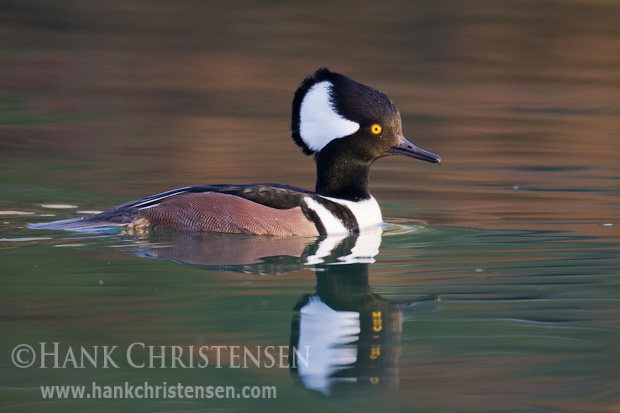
x=319, y=123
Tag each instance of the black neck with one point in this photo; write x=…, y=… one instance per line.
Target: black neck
x=342, y=176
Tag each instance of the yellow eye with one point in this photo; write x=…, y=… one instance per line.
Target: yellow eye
x=376, y=129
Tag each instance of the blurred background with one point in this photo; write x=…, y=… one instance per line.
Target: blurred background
x=105, y=102
x=123, y=99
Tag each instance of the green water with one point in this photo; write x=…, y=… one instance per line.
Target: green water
x=494, y=286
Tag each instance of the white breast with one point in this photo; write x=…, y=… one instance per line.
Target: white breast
x=331, y=224
x=367, y=212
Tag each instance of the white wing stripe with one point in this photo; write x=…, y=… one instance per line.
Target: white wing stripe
x=156, y=198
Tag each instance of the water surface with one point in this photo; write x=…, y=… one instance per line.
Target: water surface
x=496, y=280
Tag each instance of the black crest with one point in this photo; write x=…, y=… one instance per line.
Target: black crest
x=352, y=100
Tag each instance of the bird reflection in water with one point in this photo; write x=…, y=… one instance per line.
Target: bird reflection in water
x=351, y=333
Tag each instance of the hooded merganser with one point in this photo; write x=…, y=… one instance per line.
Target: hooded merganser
x=345, y=124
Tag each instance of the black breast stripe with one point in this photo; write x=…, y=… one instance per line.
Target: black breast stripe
x=314, y=217
x=341, y=212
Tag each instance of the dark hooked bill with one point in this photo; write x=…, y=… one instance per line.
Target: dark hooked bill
x=404, y=147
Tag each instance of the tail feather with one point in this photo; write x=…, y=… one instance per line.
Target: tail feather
x=76, y=224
